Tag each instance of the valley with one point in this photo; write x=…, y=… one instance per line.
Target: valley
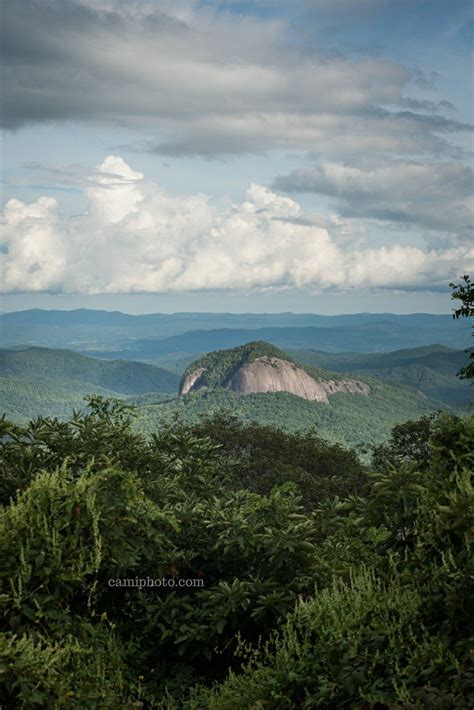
x=350, y=397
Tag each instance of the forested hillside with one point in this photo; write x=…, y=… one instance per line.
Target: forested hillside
x=41, y=381
x=431, y=369
x=349, y=420
x=65, y=365
x=37, y=381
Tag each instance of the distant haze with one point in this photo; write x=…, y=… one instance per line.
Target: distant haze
x=301, y=302
x=145, y=337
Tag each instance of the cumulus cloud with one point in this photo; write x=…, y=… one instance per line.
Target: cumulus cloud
x=203, y=81
x=34, y=249
x=435, y=195
x=137, y=238
x=116, y=193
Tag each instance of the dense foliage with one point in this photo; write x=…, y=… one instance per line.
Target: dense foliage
x=348, y=419
x=26, y=397
x=431, y=370
x=464, y=293
x=259, y=458
x=361, y=598
x=66, y=366
x=409, y=442
x=398, y=632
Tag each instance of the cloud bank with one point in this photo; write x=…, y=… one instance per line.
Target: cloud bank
x=137, y=238
x=434, y=195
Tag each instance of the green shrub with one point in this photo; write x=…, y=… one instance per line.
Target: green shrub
x=66, y=673
x=354, y=645
x=66, y=536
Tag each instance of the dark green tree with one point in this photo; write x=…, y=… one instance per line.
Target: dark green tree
x=409, y=443
x=464, y=292
x=259, y=458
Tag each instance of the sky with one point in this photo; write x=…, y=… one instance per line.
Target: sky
x=185, y=155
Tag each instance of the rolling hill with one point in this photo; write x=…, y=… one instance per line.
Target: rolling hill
x=37, y=381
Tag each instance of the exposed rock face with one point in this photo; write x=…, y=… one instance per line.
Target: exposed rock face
x=275, y=375
x=348, y=386
x=266, y=374
x=190, y=381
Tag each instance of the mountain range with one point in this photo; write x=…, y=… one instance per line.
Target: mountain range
x=352, y=377
x=430, y=369
x=255, y=382
x=144, y=337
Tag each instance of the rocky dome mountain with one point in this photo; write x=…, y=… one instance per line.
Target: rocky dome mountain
x=260, y=367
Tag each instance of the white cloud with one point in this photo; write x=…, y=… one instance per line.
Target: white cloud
x=116, y=193
x=137, y=238
x=36, y=259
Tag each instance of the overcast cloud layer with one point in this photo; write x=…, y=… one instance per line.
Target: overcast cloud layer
x=383, y=150
x=199, y=81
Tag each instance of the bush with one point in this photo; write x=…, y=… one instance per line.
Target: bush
x=76, y=527
x=362, y=644
x=400, y=633
x=65, y=673
x=408, y=443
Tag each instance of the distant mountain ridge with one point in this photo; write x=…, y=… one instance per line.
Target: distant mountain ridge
x=432, y=355
x=118, y=376
x=117, y=335
x=86, y=316
x=379, y=336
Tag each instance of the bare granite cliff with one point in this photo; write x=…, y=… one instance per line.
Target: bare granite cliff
x=275, y=375
x=190, y=382
x=272, y=374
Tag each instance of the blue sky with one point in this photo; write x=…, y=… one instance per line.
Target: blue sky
x=313, y=155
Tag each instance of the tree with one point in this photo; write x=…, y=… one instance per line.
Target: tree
x=464, y=292
x=258, y=458
x=409, y=443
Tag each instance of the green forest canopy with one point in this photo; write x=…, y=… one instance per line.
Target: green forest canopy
x=341, y=573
